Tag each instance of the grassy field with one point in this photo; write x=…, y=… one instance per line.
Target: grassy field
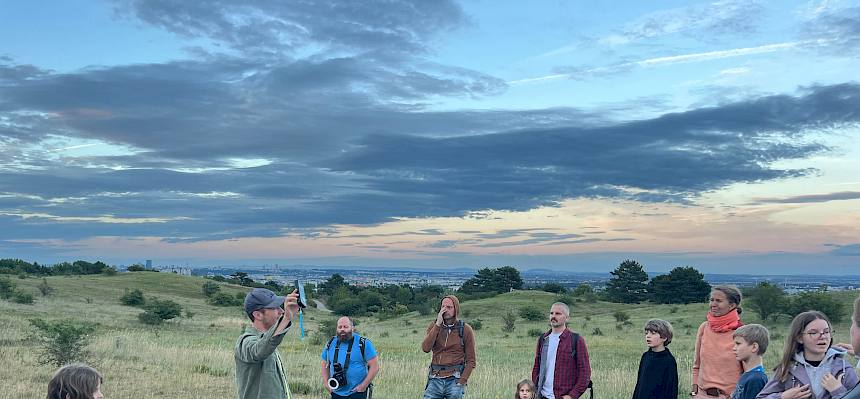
x=192, y=358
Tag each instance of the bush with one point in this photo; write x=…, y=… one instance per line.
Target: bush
x=44, y=288
x=555, y=288
x=621, y=316
x=210, y=288
x=531, y=314
x=149, y=318
x=223, y=299
x=476, y=324
x=7, y=288
x=597, y=331
x=535, y=332
x=133, y=298
x=61, y=342
x=160, y=310
x=820, y=301
x=23, y=298
x=509, y=320
x=109, y=271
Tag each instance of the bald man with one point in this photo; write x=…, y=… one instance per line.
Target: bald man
x=349, y=363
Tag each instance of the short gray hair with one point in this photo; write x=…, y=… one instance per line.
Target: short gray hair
x=563, y=306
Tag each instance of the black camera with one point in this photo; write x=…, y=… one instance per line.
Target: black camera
x=338, y=378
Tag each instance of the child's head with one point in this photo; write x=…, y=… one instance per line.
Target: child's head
x=525, y=390
x=75, y=381
x=810, y=333
x=750, y=340
x=658, y=332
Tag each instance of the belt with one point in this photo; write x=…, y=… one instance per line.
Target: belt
x=715, y=392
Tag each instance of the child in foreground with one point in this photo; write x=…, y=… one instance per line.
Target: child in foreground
x=525, y=390
x=658, y=371
x=76, y=381
x=751, y=343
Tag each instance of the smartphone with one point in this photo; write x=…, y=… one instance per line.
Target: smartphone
x=302, y=301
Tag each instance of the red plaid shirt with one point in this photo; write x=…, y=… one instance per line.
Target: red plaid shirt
x=571, y=376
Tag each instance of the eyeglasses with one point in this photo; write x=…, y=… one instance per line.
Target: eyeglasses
x=825, y=333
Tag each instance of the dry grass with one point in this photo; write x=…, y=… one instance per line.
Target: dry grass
x=193, y=358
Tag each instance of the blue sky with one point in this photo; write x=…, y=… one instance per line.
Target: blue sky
x=721, y=135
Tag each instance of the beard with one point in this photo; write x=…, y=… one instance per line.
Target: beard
x=343, y=337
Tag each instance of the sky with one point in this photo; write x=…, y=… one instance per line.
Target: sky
x=562, y=135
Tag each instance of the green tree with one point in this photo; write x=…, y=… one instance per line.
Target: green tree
x=509, y=321
x=159, y=310
x=765, y=299
x=489, y=280
x=817, y=300
x=628, y=284
x=133, y=298
x=61, y=342
x=555, y=288
x=531, y=313
x=681, y=285
x=7, y=288
x=210, y=288
x=582, y=289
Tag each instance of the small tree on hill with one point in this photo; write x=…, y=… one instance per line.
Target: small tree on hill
x=133, y=298
x=509, y=321
x=158, y=310
x=628, y=284
x=766, y=299
x=44, y=288
x=489, y=280
x=210, y=288
x=61, y=342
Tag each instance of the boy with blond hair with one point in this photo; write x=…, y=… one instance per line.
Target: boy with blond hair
x=751, y=343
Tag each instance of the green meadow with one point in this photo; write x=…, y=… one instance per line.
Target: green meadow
x=192, y=357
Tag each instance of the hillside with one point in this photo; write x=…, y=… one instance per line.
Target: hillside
x=192, y=358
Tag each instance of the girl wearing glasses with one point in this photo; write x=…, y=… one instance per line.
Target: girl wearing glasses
x=810, y=367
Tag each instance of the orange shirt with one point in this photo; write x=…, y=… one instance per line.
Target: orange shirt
x=714, y=364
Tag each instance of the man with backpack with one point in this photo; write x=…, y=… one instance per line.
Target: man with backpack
x=349, y=363
x=453, y=344
x=561, y=369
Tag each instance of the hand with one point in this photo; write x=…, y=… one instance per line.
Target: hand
x=847, y=347
x=291, y=304
x=830, y=383
x=694, y=390
x=360, y=388
x=801, y=392
x=440, y=317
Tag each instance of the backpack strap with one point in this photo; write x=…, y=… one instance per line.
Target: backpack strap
x=361, y=346
x=590, y=385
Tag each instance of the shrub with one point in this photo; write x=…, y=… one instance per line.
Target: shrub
x=210, y=288
x=23, y=298
x=531, y=314
x=597, y=331
x=133, y=298
x=44, y=288
x=476, y=324
x=160, y=310
x=223, y=299
x=820, y=301
x=61, y=342
x=621, y=316
x=535, y=332
x=109, y=271
x=7, y=288
x=509, y=320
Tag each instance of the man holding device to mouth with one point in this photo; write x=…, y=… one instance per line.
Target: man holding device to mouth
x=260, y=372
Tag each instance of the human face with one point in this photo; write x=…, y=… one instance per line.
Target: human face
x=557, y=318
x=855, y=335
x=448, y=308
x=525, y=392
x=98, y=393
x=344, y=329
x=719, y=304
x=744, y=350
x=654, y=340
x=268, y=317
x=815, y=344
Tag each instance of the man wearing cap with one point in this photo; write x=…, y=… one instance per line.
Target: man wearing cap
x=260, y=373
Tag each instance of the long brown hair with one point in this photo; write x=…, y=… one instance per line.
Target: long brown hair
x=531, y=386
x=795, y=332
x=74, y=381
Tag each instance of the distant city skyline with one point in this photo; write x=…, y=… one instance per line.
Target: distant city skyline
x=723, y=135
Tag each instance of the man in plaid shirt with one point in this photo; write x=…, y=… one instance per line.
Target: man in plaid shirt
x=558, y=373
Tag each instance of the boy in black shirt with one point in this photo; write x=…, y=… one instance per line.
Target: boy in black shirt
x=658, y=371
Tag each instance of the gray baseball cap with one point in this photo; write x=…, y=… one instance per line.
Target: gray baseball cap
x=261, y=298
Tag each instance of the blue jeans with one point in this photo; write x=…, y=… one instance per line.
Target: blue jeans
x=444, y=388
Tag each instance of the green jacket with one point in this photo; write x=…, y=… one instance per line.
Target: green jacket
x=258, y=373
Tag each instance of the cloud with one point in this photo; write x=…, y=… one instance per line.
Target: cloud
x=812, y=198
x=838, y=26
x=264, y=28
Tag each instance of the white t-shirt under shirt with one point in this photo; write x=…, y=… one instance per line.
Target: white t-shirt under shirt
x=546, y=389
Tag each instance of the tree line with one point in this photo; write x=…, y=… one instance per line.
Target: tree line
x=18, y=266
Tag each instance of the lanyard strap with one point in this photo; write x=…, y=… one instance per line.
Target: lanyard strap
x=348, y=352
